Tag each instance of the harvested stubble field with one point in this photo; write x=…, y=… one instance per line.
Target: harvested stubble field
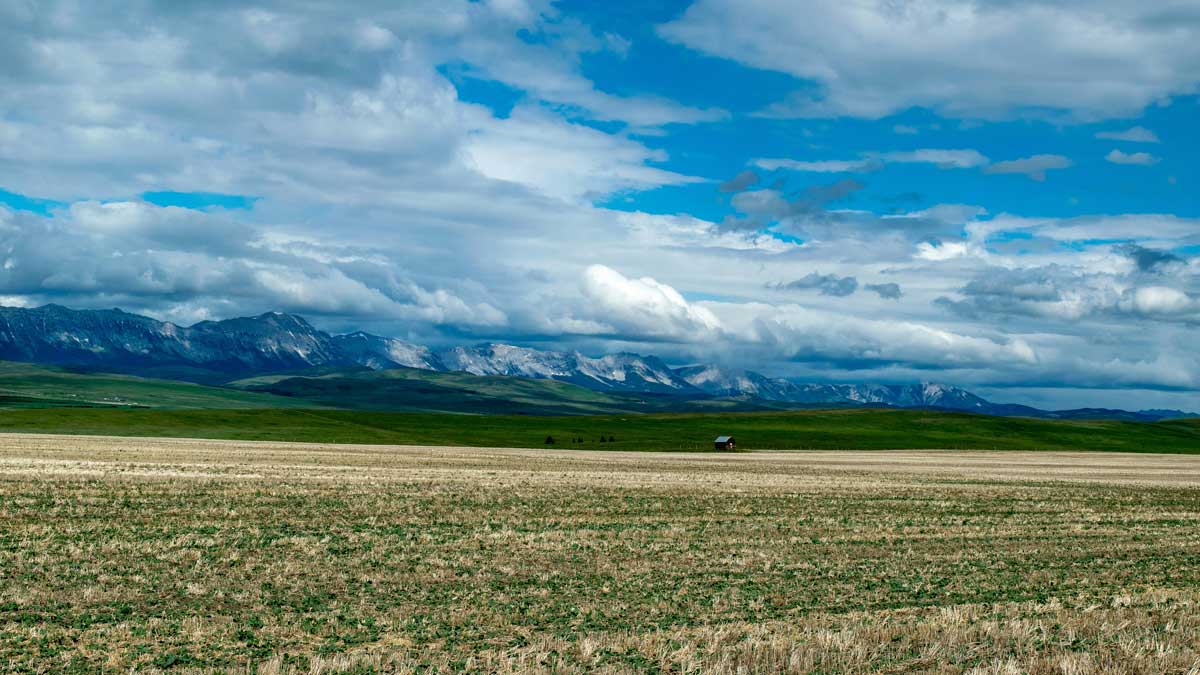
x=146, y=555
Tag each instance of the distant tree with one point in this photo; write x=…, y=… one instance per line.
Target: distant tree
x=612, y=439
x=549, y=440
x=601, y=438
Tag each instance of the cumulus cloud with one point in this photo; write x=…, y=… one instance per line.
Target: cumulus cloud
x=1035, y=167
x=1134, y=158
x=645, y=307
x=943, y=250
x=300, y=98
x=1067, y=293
x=803, y=334
x=1137, y=134
x=991, y=60
x=1158, y=301
x=138, y=255
x=386, y=199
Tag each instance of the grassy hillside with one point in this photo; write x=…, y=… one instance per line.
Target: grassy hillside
x=408, y=389
x=24, y=385
x=836, y=429
x=418, y=390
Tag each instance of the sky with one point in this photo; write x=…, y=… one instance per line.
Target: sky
x=998, y=195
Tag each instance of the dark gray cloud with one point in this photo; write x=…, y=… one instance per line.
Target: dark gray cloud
x=888, y=291
x=1148, y=259
x=998, y=291
x=810, y=214
x=1063, y=294
x=739, y=182
x=1035, y=167
x=763, y=207
x=768, y=208
x=819, y=195
x=826, y=284
x=1021, y=284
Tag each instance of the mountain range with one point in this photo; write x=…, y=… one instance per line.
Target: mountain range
x=217, y=352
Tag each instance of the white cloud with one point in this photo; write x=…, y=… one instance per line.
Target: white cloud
x=388, y=202
x=645, y=307
x=874, y=161
x=943, y=159
x=944, y=250
x=1134, y=158
x=565, y=160
x=1000, y=59
x=549, y=70
x=300, y=98
x=1132, y=135
x=799, y=333
x=1147, y=227
x=1157, y=300
x=136, y=255
x=15, y=301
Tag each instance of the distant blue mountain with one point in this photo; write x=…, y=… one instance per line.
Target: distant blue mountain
x=220, y=351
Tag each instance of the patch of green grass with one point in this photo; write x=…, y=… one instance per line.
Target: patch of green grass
x=822, y=430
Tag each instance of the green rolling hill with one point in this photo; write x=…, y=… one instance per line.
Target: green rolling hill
x=409, y=389
x=24, y=385
x=865, y=429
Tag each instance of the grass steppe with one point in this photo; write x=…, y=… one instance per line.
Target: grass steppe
x=868, y=429
x=178, y=556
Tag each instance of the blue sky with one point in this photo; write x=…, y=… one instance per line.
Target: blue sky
x=995, y=195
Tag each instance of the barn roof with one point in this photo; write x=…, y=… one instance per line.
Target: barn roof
x=723, y=439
